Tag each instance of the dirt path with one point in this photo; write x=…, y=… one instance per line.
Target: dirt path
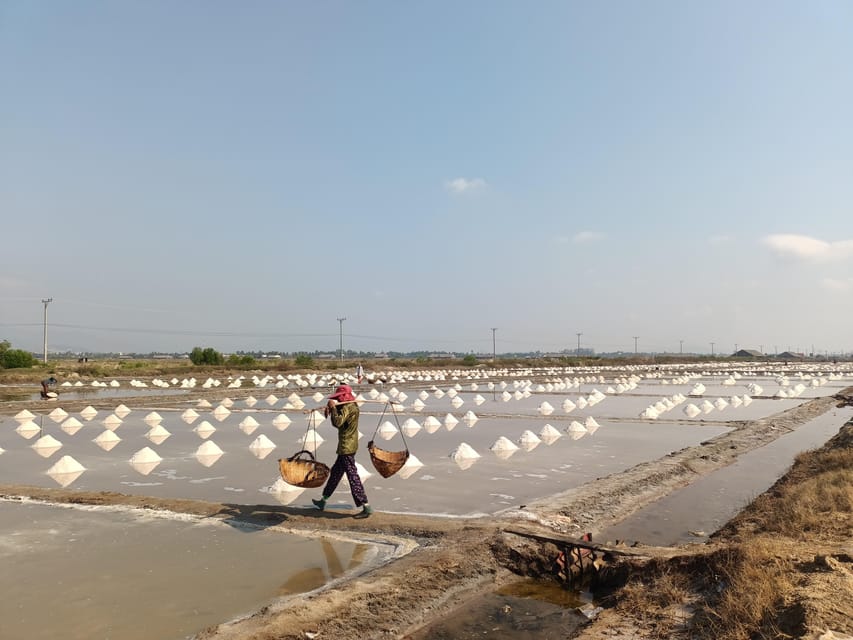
x=452, y=559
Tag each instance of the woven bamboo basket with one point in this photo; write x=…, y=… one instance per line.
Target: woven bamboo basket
x=387, y=463
x=303, y=471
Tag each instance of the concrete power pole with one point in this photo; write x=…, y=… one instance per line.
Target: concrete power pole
x=341, y=335
x=494, y=345
x=680, y=347
x=635, y=344
x=45, y=303
x=579, y=344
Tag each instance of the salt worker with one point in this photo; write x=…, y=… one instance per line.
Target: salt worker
x=48, y=382
x=342, y=410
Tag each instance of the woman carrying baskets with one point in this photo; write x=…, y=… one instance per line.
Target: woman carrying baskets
x=342, y=410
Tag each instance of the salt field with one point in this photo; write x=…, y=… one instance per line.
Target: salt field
x=81, y=573
x=481, y=442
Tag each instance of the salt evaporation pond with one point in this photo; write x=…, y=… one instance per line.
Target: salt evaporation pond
x=709, y=502
x=81, y=573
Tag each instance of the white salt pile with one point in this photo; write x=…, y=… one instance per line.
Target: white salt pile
x=410, y=427
x=311, y=440
x=261, y=447
x=450, y=421
x=153, y=418
x=57, y=415
x=111, y=422
x=145, y=460
x=221, y=412
x=189, y=416
x=549, y=434
x=411, y=466
x=720, y=404
x=27, y=429
x=106, y=440
x=431, y=424
x=71, y=426
x=23, y=416
x=281, y=422
x=208, y=453
x=470, y=418
x=387, y=430
x=204, y=430
x=503, y=448
x=158, y=434
x=478, y=400
x=46, y=446
x=250, y=401
x=546, y=409
x=248, y=425
x=691, y=410
x=706, y=406
x=569, y=406
x=121, y=411
x=270, y=400
x=315, y=418
x=65, y=471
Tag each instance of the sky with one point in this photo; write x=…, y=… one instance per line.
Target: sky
x=241, y=175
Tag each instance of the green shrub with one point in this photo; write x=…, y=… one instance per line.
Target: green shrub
x=304, y=360
x=206, y=356
x=241, y=361
x=17, y=359
x=470, y=360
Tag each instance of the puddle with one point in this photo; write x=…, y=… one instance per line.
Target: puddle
x=709, y=502
x=526, y=610
x=77, y=573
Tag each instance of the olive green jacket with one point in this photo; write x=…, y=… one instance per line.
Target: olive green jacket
x=345, y=419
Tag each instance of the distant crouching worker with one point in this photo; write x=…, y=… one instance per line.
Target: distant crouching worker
x=49, y=382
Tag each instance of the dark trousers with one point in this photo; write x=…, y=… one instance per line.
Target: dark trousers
x=346, y=464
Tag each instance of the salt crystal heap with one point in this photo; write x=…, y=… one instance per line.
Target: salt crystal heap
x=152, y=419
x=387, y=430
x=57, y=415
x=548, y=434
x=410, y=427
x=529, y=440
x=145, y=460
x=450, y=421
x=576, y=430
x=107, y=440
x=46, y=446
x=121, y=411
x=281, y=422
x=464, y=455
x=65, y=471
x=189, y=416
x=28, y=429
x=503, y=448
x=431, y=424
x=546, y=409
x=71, y=426
x=248, y=425
x=158, y=434
x=208, y=453
x=261, y=447
x=691, y=410
x=24, y=416
x=204, y=430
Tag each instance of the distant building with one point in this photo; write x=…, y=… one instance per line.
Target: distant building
x=748, y=353
x=791, y=355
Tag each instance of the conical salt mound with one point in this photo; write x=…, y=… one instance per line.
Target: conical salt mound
x=576, y=427
x=281, y=422
x=121, y=411
x=315, y=418
x=311, y=440
x=549, y=432
x=158, y=434
x=71, y=426
x=28, y=429
x=464, y=452
x=112, y=422
x=590, y=422
x=203, y=404
x=88, y=413
x=478, y=400
x=153, y=418
x=411, y=466
x=450, y=420
x=410, y=427
x=691, y=410
x=204, y=430
x=248, y=425
x=317, y=397
x=46, y=446
x=387, y=430
x=470, y=418
x=189, y=416
x=106, y=440
x=569, y=406
x=528, y=437
x=145, y=455
x=23, y=416
x=66, y=470
x=261, y=447
x=221, y=412
x=503, y=444
x=546, y=409
x=57, y=415
x=250, y=401
x=208, y=448
x=431, y=424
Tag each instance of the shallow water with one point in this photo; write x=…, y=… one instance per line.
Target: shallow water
x=709, y=502
x=525, y=610
x=79, y=574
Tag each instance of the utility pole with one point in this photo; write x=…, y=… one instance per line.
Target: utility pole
x=45, y=302
x=712, y=349
x=681, y=347
x=635, y=344
x=494, y=345
x=735, y=347
x=761, y=348
x=341, y=324
x=579, y=344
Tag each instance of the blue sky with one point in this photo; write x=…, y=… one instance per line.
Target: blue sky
x=239, y=175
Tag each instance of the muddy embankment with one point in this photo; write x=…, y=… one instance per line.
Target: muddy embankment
x=452, y=560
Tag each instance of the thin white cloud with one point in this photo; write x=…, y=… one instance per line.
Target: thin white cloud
x=790, y=245
x=583, y=237
x=465, y=185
